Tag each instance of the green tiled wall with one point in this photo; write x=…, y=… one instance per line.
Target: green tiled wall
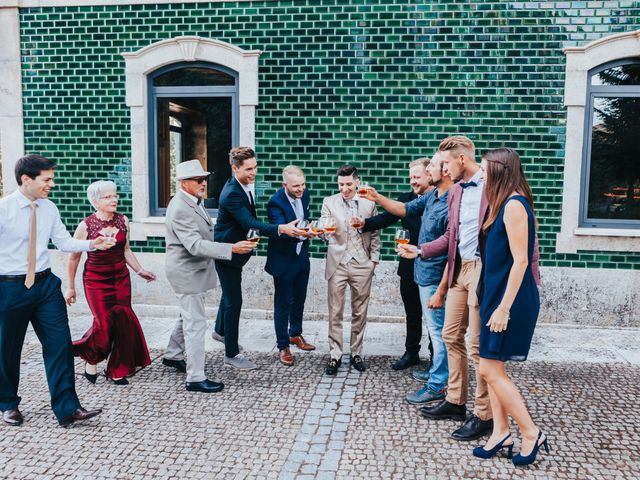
x=372, y=82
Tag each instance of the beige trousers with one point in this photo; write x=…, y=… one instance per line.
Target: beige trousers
x=358, y=277
x=462, y=312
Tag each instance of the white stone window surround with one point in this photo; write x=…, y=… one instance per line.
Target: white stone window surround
x=580, y=60
x=138, y=65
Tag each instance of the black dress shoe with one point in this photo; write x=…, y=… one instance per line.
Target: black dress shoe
x=79, y=416
x=444, y=410
x=358, y=363
x=179, y=365
x=92, y=377
x=473, y=429
x=12, y=417
x=205, y=386
x=332, y=366
x=407, y=360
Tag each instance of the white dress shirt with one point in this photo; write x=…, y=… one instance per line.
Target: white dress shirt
x=296, y=204
x=15, y=220
x=249, y=188
x=195, y=199
x=469, y=213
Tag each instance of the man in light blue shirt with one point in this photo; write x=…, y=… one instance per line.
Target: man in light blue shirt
x=29, y=292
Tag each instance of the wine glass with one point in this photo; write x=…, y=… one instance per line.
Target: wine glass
x=110, y=236
x=253, y=235
x=303, y=225
x=402, y=236
x=329, y=225
x=317, y=226
x=363, y=188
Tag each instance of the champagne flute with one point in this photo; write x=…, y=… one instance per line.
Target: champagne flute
x=402, y=236
x=253, y=235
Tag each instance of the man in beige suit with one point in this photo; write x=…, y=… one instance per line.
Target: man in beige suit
x=190, y=271
x=352, y=257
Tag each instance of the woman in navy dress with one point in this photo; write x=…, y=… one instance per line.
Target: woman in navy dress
x=509, y=301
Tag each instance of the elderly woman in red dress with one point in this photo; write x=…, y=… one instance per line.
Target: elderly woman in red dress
x=116, y=334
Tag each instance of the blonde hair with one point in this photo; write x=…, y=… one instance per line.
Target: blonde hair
x=458, y=144
x=420, y=161
x=291, y=170
x=99, y=188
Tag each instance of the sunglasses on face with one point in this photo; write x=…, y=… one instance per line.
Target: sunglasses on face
x=199, y=179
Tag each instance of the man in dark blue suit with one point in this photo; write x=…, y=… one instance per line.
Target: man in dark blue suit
x=288, y=263
x=409, y=291
x=236, y=215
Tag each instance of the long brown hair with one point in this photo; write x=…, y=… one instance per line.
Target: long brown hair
x=504, y=175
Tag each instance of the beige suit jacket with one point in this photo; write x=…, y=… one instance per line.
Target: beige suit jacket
x=190, y=247
x=333, y=206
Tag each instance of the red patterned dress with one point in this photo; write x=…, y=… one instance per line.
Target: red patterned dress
x=116, y=333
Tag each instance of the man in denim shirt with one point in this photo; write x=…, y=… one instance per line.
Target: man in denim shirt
x=428, y=273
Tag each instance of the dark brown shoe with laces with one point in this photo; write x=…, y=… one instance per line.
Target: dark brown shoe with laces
x=301, y=343
x=12, y=417
x=79, y=415
x=285, y=357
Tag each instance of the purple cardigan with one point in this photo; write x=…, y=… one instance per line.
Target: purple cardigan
x=448, y=242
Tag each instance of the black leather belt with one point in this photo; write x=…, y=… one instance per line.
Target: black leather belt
x=21, y=278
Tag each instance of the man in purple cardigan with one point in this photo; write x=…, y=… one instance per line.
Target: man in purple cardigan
x=467, y=210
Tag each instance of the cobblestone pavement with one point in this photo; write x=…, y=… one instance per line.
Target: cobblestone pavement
x=294, y=422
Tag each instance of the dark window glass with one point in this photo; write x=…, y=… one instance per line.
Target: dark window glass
x=192, y=77
x=614, y=177
x=620, y=75
x=193, y=128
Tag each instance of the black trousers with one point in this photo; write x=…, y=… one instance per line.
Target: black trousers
x=228, y=319
x=43, y=305
x=410, y=294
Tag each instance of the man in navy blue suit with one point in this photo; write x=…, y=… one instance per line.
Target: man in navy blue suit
x=288, y=263
x=236, y=215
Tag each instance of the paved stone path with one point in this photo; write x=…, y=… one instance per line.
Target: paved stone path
x=294, y=422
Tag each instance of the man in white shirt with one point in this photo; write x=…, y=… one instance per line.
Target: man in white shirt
x=29, y=292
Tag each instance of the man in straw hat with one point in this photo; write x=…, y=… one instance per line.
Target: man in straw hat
x=190, y=271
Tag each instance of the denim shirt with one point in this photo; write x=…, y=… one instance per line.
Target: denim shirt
x=435, y=217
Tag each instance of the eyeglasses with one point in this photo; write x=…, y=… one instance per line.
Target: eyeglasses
x=109, y=197
x=199, y=179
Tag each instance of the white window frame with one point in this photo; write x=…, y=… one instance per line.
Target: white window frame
x=580, y=60
x=141, y=63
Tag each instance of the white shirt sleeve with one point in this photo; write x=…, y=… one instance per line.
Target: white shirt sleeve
x=63, y=240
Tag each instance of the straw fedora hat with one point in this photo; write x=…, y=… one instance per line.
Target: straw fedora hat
x=190, y=169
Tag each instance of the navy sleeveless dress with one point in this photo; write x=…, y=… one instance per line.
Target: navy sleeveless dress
x=514, y=342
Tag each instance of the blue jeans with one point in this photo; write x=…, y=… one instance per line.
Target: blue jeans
x=434, y=320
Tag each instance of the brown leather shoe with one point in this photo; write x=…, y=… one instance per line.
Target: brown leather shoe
x=78, y=416
x=285, y=357
x=301, y=343
x=12, y=417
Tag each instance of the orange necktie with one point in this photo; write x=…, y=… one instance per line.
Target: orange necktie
x=31, y=265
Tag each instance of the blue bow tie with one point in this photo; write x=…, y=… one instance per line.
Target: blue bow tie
x=468, y=184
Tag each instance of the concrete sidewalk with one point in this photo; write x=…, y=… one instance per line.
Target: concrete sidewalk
x=551, y=342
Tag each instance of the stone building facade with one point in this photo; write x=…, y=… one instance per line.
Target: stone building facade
x=116, y=90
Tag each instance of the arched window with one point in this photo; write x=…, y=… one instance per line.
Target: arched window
x=193, y=115
x=611, y=168
x=173, y=89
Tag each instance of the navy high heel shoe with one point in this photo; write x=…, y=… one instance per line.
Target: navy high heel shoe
x=480, y=452
x=520, y=460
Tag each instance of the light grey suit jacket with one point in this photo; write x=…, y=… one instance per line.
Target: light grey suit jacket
x=333, y=206
x=190, y=247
